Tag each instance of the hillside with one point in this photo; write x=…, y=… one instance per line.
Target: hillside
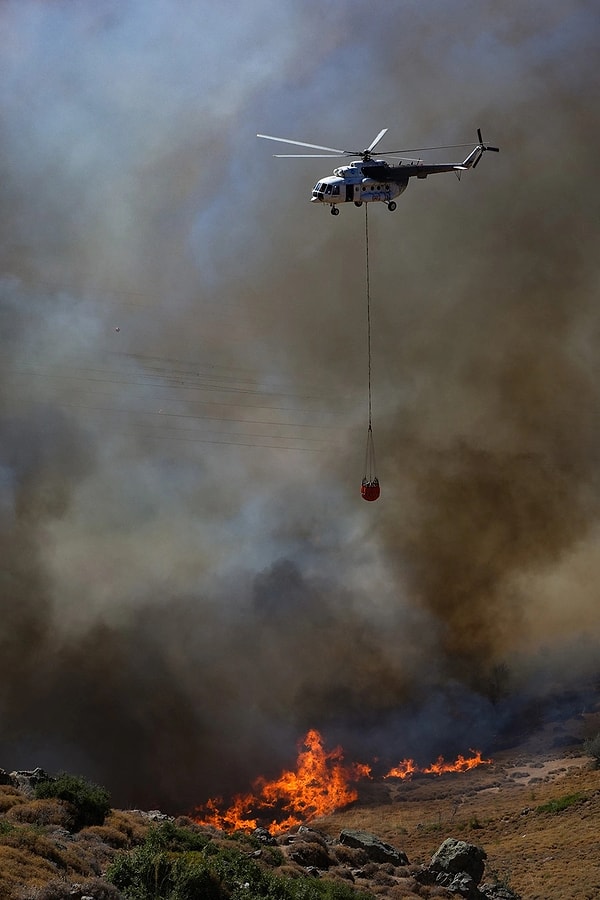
x=534, y=811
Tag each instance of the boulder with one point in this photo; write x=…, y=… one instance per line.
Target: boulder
x=376, y=849
x=457, y=857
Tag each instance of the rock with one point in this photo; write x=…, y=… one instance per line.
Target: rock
x=375, y=849
x=27, y=779
x=264, y=836
x=155, y=815
x=456, y=857
x=497, y=892
x=4, y=777
x=461, y=884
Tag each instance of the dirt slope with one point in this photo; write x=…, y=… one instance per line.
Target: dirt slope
x=537, y=816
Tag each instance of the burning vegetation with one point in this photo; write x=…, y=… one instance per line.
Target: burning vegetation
x=320, y=785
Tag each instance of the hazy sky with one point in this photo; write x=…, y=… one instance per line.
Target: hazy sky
x=190, y=579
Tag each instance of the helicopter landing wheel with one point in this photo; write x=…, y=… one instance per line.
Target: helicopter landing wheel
x=358, y=203
x=391, y=206
x=335, y=211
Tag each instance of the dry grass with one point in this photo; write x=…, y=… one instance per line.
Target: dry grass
x=9, y=797
x=130, y=823
x=42, y=812
x=539, y=854
x=18, y=866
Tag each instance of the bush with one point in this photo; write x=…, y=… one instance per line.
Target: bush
x=131, y=824
x=560, y=803
x=97, y=888
x=176, y=863
x=591, y=747
x=147, y=874
x=90, y=802
x=9, y=797
x=42, y=812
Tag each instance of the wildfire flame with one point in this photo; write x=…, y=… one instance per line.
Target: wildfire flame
x=407, y=767
x=320, y=785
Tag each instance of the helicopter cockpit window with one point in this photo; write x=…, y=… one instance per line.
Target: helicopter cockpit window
x=328, y=189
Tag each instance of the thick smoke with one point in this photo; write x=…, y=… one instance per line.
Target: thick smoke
x=190, y=578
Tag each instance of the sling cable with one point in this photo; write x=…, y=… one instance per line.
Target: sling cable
x=370, y=484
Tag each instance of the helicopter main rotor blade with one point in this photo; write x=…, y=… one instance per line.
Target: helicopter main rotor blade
x=308, y=155
x=374, y=143
x=270, y=137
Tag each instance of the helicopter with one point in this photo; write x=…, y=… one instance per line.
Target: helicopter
x=368, y=180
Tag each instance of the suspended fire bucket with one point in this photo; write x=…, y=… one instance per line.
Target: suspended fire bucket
x=369, y=489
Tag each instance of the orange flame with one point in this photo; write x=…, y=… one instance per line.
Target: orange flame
x=404, y=769
x=407, y=767
x=318, y=787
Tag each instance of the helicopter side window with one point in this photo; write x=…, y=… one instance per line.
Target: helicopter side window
x=335, y=189
x=328, y=189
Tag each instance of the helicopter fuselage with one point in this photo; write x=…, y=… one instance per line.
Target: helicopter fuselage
x=351, y=184
x=368, y=180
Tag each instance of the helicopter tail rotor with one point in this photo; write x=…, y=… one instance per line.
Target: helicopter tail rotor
x=482, y=148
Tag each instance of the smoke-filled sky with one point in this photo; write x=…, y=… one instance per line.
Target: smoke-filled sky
x=190, y=579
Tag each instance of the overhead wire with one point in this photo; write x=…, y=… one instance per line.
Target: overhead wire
x=90, y=396
x=237, y=392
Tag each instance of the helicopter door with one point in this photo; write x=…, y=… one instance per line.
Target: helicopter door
x=349, y=193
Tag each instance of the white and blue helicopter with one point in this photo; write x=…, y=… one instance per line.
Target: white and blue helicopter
x=368, y=180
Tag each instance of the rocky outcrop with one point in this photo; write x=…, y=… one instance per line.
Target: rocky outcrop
x=457, y=857
x=458, y=867
x=376, y=849
x=27, y=779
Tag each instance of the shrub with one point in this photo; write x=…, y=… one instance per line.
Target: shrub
x=43, y=812
x=18, y=866
x=97, y=888
x=9, y=797
x=176, y=863
x=147, y=874
x=90, y=802
x=559, y=804
x=39, y=847
x=132, y=824
x=591, y=747
x=107, y=834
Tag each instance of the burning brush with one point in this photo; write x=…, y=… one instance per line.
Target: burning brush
x=320, y=785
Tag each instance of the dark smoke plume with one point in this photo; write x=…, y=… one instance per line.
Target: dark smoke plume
x=190, y=579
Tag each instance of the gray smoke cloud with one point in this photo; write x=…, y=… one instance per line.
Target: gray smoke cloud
x=190, y=579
